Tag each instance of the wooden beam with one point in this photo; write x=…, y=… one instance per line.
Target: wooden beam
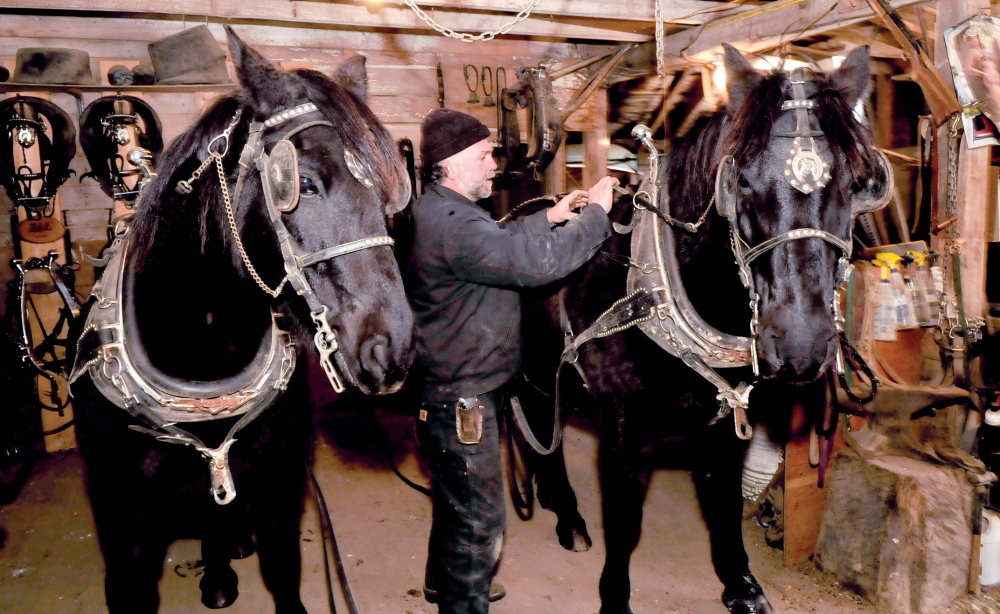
x=674, y=11
x=325, y=14
x=18, y=31
x=765, y=27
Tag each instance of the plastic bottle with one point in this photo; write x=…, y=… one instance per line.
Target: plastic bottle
x=918, y=296
x=905, y=313
x=988, y=448
x=885, y=307
x=926, y=286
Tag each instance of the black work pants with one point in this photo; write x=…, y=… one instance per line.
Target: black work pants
x=468, y=518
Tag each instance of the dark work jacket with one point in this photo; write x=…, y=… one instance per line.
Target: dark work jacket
x=463, y=280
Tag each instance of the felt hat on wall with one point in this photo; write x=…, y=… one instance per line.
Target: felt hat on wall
x=189, y=57
x=53, y=65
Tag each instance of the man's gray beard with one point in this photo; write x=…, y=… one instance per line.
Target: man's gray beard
x=483, y=190
x=477, y=190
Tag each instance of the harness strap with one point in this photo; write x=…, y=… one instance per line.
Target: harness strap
x=799, y=233
x=343, y=248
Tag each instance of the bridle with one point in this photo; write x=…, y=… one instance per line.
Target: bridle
x=107, y=125
x=102, y=349
x=20, y=121
x=279, y=176
x=806, y=170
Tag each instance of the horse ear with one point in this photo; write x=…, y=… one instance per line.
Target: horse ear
x=854, y=77
x=741, y=77
x=256, y=73
x=353, y=76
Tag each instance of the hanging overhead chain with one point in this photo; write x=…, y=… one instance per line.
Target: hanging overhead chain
x=660, y=70
x=469, y=38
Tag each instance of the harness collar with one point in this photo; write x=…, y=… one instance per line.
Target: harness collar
x=159, y=401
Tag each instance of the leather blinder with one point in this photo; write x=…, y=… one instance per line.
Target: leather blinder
x=725, y=188
x=281, y=167
x=875, y=196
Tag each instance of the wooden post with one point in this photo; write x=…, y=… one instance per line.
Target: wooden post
x=970, y=228
x=46, y=305
x=595, y=142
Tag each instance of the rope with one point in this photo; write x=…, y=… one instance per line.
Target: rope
x=854, y=357
x=326, y=525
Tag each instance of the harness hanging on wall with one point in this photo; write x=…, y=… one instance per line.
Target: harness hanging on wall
x=532, y=92
x=29, y=123
x=111, y=125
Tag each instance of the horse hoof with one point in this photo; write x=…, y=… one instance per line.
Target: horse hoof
x=747, y=597
x=219, y=588
x=574, y=540
x=622, y=609
x=242, y=548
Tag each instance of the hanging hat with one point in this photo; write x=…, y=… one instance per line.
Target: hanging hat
x=52, y=65
x=445, y=132
x=189, y=57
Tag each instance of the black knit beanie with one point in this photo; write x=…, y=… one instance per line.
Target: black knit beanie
x=445, y=132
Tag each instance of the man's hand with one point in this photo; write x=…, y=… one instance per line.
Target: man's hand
x=603, y=193
x=563, y=210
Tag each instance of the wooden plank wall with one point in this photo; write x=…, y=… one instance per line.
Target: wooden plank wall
x=403, y=88
x=402, y=71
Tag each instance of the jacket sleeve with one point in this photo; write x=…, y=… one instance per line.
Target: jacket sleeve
x=480, y=251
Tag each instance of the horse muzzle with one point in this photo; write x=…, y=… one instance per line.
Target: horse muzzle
x=795, y=352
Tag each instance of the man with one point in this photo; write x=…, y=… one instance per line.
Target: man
x=463, y=278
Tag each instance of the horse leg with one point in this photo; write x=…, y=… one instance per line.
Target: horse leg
x=276, y=513
x=219, y=584
x=556, y=495
x=717, y=479
x=625, y=467
x=134, y=550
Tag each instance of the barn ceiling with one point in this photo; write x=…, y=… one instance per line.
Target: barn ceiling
x=693, y=32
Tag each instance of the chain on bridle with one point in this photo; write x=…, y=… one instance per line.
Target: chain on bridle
x=279, y=176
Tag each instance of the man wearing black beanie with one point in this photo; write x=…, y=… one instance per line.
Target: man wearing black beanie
x=463, y=279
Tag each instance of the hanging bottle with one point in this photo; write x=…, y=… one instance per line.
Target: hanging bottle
x=905, y=313
x=926, y=285
x=918, y=296
x=885, y=306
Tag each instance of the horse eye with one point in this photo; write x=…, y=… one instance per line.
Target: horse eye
x=307, y=187
x=742, y=182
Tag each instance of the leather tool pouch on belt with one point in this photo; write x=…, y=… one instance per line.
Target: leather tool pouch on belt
x=469, y=420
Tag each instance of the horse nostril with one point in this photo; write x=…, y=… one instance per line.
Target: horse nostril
x=375, y=356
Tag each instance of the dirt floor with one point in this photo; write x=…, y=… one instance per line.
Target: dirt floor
x=50, y=562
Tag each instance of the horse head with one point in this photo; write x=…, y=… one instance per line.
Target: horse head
x=797, y=166
x=308, y=176
x=334, y=174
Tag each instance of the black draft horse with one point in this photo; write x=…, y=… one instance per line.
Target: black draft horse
x=641, y=391
x=191, y=342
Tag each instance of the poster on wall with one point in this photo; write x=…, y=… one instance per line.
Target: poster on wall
x=974, y=55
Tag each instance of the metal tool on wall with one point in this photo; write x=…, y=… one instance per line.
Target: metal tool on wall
x=488, y=102
x=473, y=96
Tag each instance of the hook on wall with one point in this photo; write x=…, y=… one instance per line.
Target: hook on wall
x=489, y=102
x=473, y=97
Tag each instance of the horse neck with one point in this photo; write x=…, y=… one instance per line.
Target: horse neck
x=708, y=267
x=197, y=315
